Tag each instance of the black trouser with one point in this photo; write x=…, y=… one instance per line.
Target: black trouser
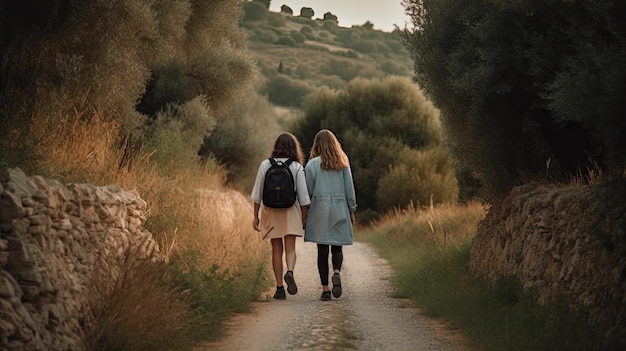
x=322, y=260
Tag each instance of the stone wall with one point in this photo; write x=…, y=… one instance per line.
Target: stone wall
x=58, y=244
x=564, y=244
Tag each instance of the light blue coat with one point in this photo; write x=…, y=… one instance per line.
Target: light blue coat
x=332, y=200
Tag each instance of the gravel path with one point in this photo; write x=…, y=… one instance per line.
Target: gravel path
x=365, y=317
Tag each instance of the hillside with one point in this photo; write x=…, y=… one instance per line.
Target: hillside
x=297, y=54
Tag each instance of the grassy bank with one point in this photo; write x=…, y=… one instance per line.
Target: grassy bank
x=214, y=263
x=429, y=250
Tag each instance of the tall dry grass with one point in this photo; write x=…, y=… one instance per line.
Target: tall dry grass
x=214, y=263
x=429, y=250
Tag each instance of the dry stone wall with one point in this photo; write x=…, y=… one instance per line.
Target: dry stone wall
x=58, y=246
x=564, y=244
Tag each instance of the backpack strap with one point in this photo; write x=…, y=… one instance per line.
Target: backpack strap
x=287, y=162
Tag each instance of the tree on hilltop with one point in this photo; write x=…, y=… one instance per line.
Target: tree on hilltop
x=328, y=16
x=286, y=9
x=307, y=12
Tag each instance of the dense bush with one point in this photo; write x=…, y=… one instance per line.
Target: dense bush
x=264, y=35
x=333, y=82
x=298, y=37
x=391, y=133
x=237, y=143
x=306, y=30
x=330, y=26
x=286, y=91
x=178, y=128
x=392, y=67
x=286, y=40
x=254, y=11
x=527, y=89
x=419, y=177
x=346, y=70
x=276, y=20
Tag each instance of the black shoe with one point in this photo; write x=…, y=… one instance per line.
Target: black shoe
x=325, y=296
x=292, y=288
x=280, y=293
x=336, y=285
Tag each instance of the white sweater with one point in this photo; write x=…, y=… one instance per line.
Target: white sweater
x=298, y=173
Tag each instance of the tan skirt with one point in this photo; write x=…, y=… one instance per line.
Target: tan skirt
x=278, y=222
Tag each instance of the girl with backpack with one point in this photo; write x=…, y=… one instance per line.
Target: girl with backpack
x=279, y=223
x=333, y=203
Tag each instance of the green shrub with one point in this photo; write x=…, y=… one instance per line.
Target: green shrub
x=286, y=91
x=266, y=36
x=286, y=40
x=178, y=131
x=330, y=26
x=298, y=37
x=303, y=72
x=392, y=67
x=236, y=142
x=391, y=133
x=254, y=11
x=333, y=82
x=420, y=176
x=276, y=20
x=364, y=46
x=345, y=69
x=306, y=30
x=352, y=54
x=209, y=292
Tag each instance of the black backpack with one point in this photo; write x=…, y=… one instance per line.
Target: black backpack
x=279, y=190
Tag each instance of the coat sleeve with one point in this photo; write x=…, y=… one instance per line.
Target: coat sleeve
x=310, y=175
x=349, y=188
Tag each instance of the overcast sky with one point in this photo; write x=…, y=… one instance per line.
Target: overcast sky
x=382, y=13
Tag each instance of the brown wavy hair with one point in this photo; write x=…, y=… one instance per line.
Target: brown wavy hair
x=328, y=148
x=287, y=145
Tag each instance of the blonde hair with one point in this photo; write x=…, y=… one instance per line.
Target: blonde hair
x=328, y=148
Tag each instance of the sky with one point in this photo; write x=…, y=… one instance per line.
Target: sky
x=382, y=13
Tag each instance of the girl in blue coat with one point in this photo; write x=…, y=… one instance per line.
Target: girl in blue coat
x=333, y=202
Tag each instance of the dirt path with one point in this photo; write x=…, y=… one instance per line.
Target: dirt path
x=365, y=317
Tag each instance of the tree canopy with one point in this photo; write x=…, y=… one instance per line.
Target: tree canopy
x=171, y=73
x=526, y=88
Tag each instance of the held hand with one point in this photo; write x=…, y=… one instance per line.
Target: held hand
x=255, y=225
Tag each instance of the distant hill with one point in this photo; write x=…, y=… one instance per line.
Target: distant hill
x=297, y=54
